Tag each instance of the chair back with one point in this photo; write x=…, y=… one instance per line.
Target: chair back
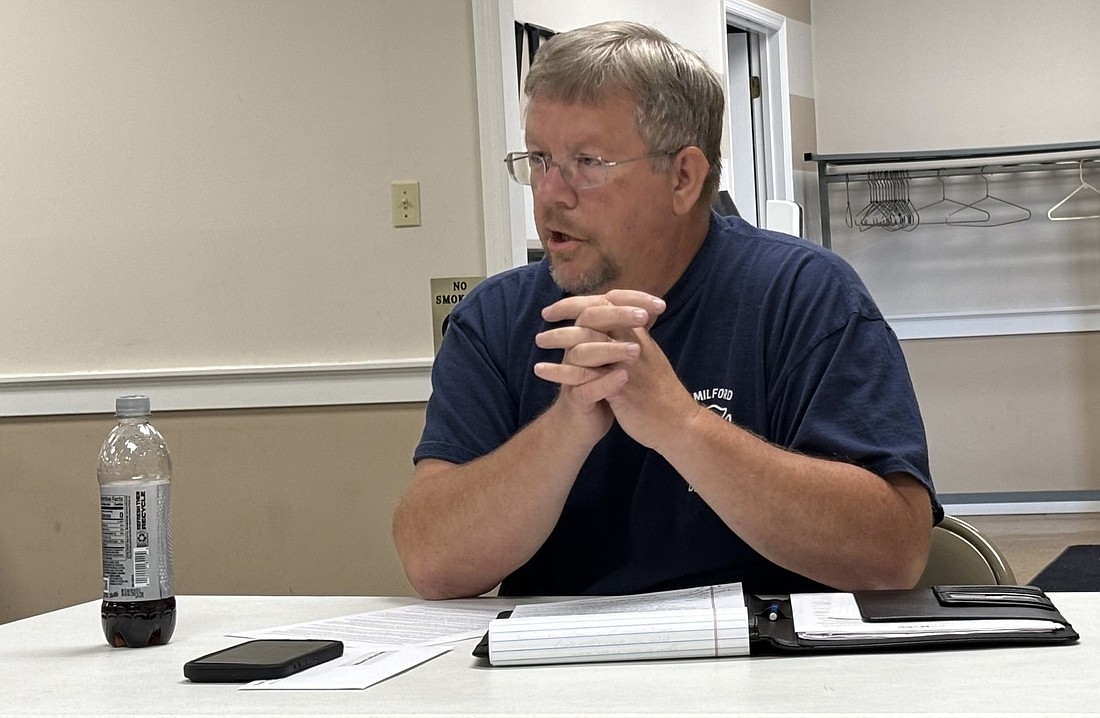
x=960, y=554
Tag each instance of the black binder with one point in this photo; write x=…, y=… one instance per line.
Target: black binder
x=772, y=629
x=939, y=603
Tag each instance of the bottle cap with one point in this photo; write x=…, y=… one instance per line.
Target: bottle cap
x=132, y=406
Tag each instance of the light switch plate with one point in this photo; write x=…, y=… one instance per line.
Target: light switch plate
x=405, y=197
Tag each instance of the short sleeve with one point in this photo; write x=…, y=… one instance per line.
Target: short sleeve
x=851, y=399
x=470, y=411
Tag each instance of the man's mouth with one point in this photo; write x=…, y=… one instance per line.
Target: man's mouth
x=560, y=239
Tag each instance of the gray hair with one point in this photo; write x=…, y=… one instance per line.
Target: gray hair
x=679, y=98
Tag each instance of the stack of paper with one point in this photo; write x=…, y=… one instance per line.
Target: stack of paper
x=698, y=622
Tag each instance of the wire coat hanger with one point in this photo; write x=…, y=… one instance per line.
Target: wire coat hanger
x=1083, y=185
x=997, y=201
x=849, y=220
x=944, y=199
x=888, y=206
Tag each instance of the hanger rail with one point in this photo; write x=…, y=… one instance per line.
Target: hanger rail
x=846, y=168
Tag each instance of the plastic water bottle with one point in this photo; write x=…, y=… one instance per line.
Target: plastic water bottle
x=135, y=471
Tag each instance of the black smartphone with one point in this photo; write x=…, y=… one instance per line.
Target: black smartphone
x=261, y=659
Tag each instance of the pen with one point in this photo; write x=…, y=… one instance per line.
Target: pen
x=773, y=611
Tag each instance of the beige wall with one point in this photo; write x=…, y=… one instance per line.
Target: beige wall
x=898, y=75
x=1012, y=413
x=793, y=9
x=206, y=184
x=226, y=166
x=293, y=501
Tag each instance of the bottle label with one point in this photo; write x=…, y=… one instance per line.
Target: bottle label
x=137, y=541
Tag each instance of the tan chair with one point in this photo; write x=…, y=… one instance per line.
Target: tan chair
x=961, y=555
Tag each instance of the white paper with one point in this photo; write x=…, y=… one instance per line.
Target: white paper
x=355, y=670
x=415, y=625
x=727, y=595
x=692, y=623
x=835, y=616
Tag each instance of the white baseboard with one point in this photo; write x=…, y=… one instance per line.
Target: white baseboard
x=1022, y=507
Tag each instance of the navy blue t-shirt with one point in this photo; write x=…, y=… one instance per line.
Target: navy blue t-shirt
x=769, y=331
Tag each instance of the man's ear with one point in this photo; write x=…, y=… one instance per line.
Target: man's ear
x=689, y=172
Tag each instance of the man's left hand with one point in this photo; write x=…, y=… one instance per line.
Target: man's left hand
x=643, y=392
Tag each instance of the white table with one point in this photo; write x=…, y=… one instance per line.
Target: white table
x=58, y=663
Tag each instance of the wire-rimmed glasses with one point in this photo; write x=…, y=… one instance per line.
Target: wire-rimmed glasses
x=578, y=171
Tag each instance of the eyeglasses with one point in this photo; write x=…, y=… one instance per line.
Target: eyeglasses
x=578, y=171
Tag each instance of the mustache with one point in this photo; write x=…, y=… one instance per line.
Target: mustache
x=552, y=221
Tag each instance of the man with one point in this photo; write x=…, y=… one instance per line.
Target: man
x=669, y=398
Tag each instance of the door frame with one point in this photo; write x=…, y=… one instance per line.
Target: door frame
x=776, y=94
x=499, y=133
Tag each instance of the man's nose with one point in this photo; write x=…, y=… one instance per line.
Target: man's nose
x=554, y=187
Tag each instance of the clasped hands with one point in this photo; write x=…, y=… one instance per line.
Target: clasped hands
x=611, y=368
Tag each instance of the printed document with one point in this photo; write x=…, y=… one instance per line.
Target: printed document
x=419, y=624
x=836, y=616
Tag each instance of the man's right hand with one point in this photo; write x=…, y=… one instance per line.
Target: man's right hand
x=594, y=364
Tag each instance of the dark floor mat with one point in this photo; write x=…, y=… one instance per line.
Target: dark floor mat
x=1075, y=569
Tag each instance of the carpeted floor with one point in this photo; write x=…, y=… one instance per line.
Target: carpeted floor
x=1077, y=568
